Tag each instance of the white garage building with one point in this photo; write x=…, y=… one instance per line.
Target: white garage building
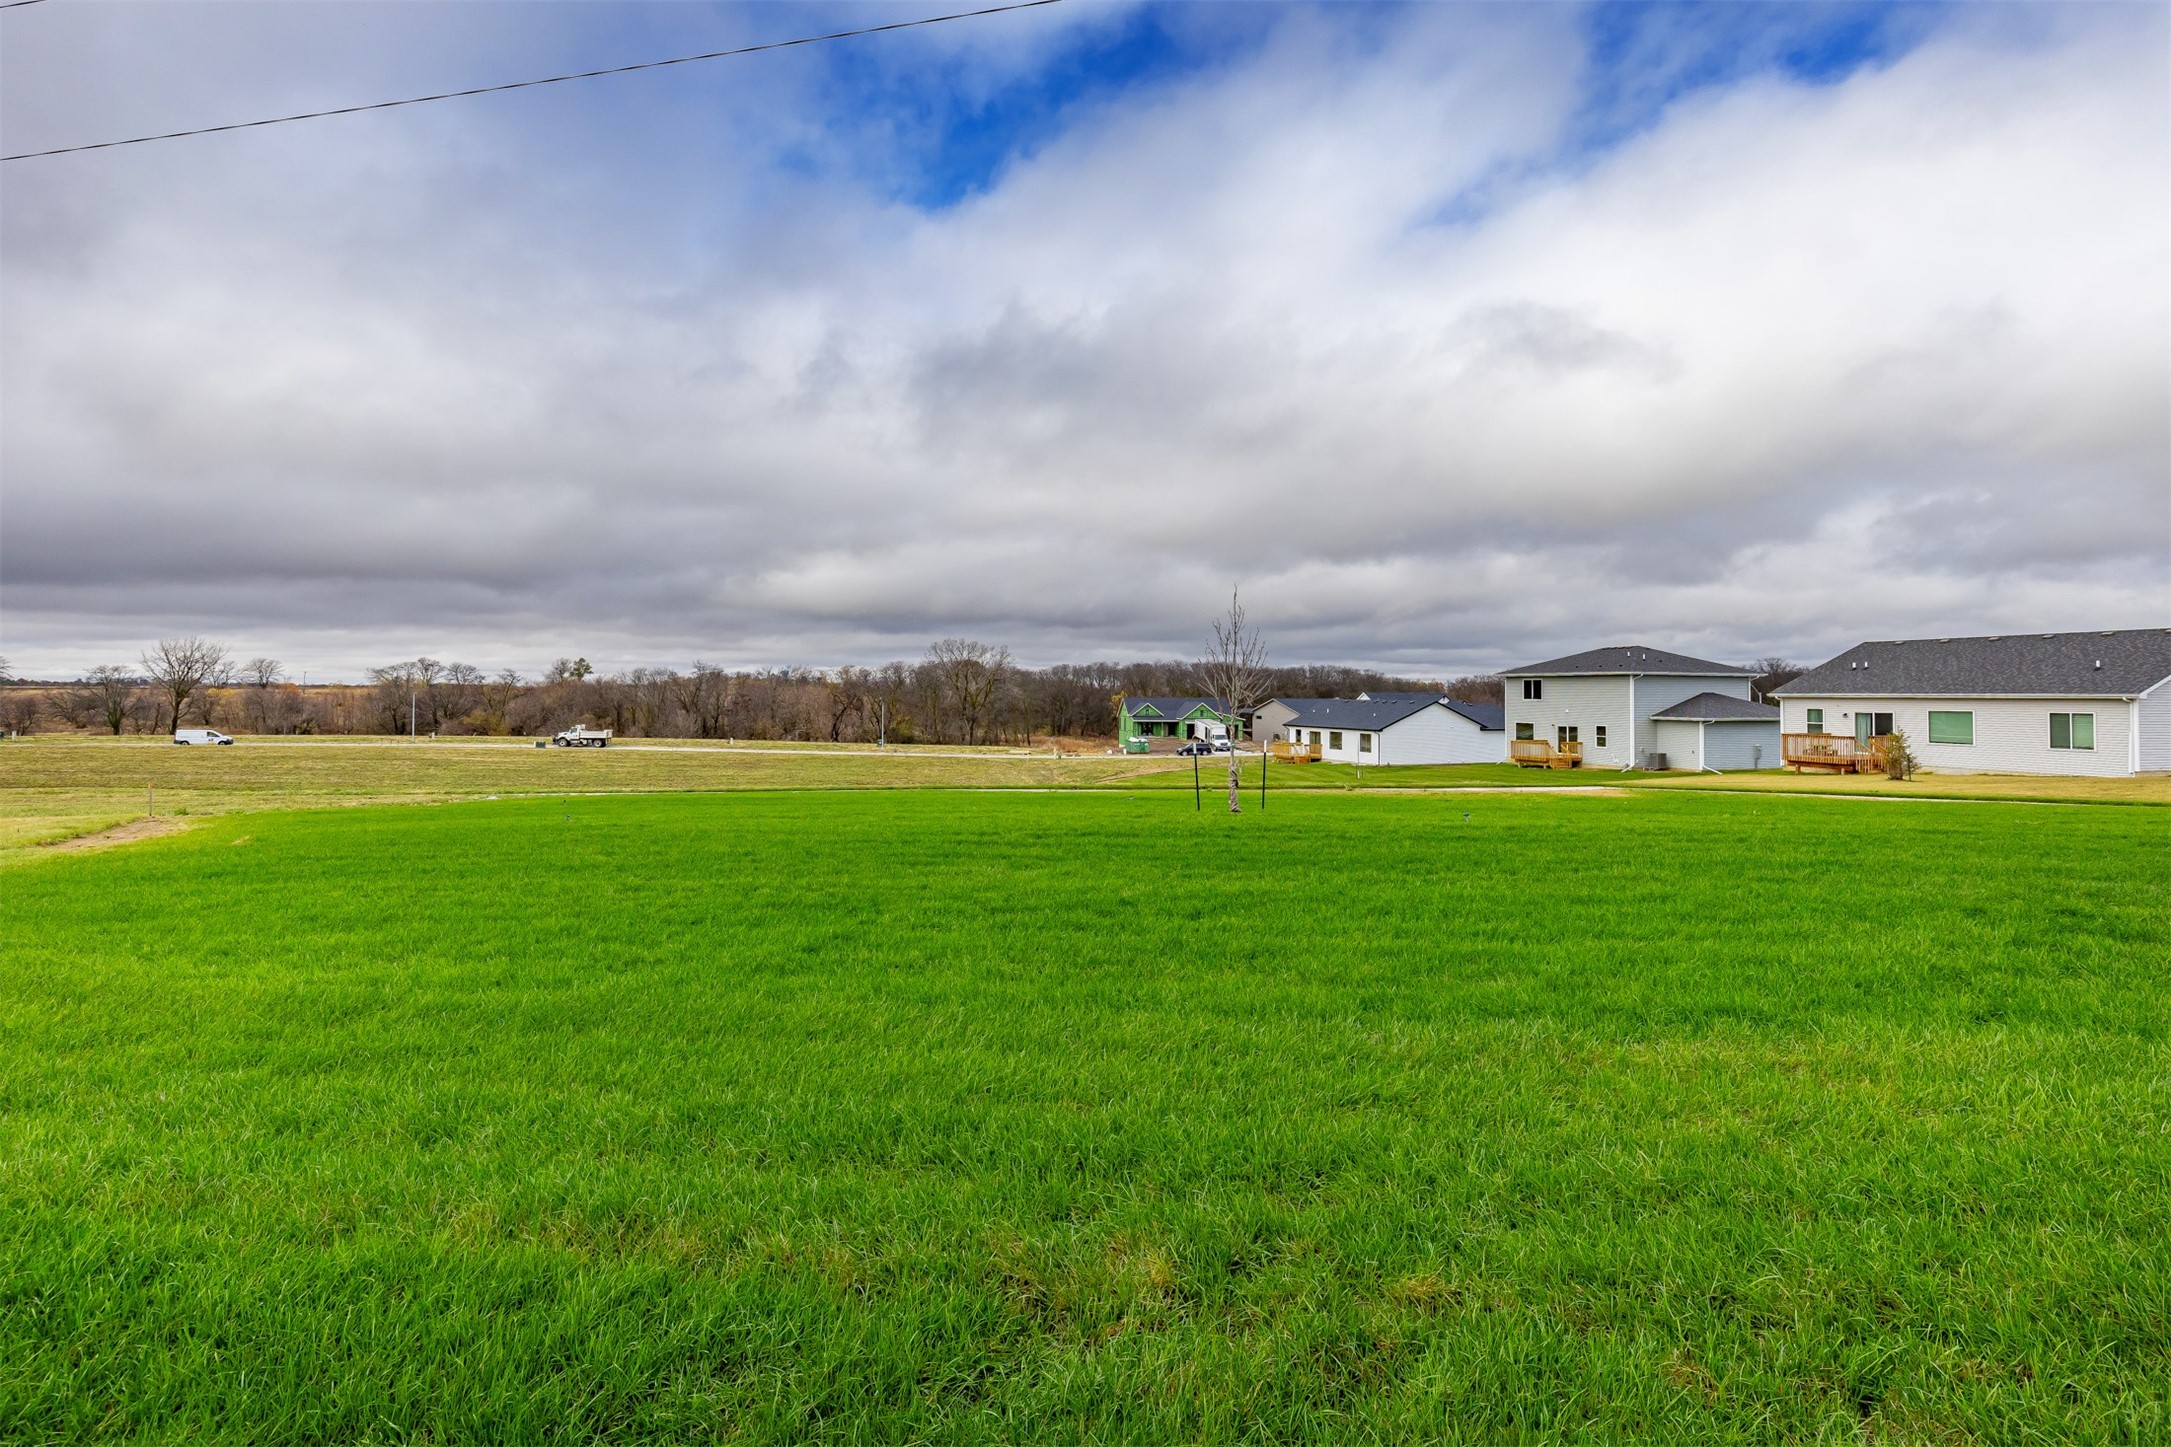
x=1714, y=733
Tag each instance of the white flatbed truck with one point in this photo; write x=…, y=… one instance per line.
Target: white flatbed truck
x=580, y=736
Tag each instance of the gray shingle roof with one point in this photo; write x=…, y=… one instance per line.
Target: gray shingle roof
x=2053, y=665
x=1351, y=713
x=1384, y=710
x=1490, y=716
x=1720, y=708
x=1484, y=715
x=1633, y=658
x=1167, y=708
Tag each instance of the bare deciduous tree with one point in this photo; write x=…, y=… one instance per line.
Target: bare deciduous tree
x=706, y=696
x=263, y=672
x=21, y=710
x=1772, y=673
x=397, y=689
x=973, y=675
x=107, y=696
x=892, y=684
x=568, y=670
x=496, y=700
x=181, y=668
x=846, y=693
x=1478, y=688
x=456, y=695
x=1234, y=671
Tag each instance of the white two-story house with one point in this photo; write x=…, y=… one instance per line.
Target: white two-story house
x=2026, y=703
x=1621, y=708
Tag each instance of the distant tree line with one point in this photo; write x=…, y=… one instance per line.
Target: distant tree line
x=960, y=692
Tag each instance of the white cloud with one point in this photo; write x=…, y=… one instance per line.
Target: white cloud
x=1349, y=320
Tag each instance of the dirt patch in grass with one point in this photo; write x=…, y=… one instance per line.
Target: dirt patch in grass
x=127, y=833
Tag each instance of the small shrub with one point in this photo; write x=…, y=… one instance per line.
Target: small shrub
x=1899, y=759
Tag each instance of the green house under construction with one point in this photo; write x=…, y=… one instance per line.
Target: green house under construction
x=1139, y=721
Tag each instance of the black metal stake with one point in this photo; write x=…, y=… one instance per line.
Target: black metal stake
x=1196, y=806
x=1264, y=749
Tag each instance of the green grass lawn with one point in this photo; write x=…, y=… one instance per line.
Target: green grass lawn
x=897, y=1116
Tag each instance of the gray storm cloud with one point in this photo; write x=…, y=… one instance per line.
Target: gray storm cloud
x=1357, y=327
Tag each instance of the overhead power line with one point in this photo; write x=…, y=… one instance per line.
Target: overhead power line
x=385, y=105
x=19, y=4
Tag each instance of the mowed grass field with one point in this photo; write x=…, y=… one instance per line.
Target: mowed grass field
x=938, y=1116
x=54, y=789
x=58, y=788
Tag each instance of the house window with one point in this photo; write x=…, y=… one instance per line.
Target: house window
x=2072, y=730
x=1951, y=726
x=1563, y=734
x=1334, y=738
x=1600, y=731
x=1315, y=738
x=1534, y=688
x=1523, y=731
x=1869, y=726
x=1816, y=720
x=1364, y=743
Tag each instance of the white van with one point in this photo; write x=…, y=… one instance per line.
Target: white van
x=200, y=736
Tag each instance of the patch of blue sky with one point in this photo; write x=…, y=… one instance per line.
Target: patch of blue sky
x=1644, y=58
x=937, y=134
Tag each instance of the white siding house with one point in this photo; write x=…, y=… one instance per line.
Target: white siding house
x=1397, y=729
x=1717, y=733
x=2152, y=730
x=1608, y=700
x=2031, y=703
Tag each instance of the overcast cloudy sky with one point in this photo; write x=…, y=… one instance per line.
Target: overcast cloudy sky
x=1458, y=336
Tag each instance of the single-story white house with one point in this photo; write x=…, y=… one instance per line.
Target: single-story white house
x=2028, y=703
x=1605, y=707
x=1396, y=729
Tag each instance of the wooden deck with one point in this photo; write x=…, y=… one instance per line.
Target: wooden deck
x=1538, y=754
x=1832, y=753
x=1284, y=752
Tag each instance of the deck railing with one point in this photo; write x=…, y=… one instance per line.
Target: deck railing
x=1841, y=753
x=1284, y=751
x=1540, y=754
